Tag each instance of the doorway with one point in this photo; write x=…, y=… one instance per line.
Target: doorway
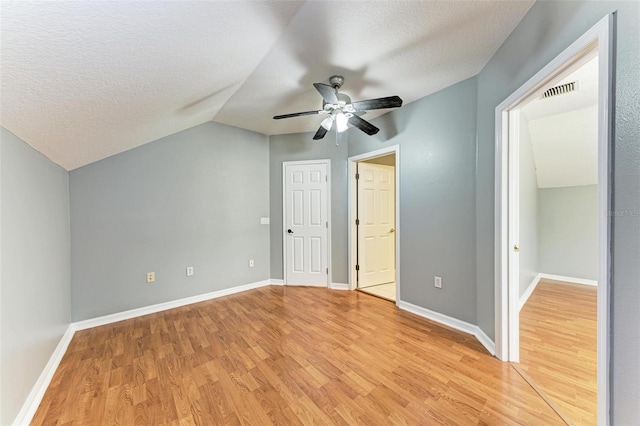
x=557, y=232
x=596, y=42
x=373, y=224
x=306, y=207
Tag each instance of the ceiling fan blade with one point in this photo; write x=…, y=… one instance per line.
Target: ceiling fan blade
x=328, y=93
x=379, y=103
x=297, y=114
x=320, y=133
x=363, y=125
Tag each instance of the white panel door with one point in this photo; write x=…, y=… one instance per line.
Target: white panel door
x=376, y=228
x=305, y=224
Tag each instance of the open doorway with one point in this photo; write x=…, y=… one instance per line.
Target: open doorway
x=558, y=242
x=597, y=42
x=373, y=223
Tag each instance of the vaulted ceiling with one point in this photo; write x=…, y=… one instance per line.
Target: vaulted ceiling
x=563, y=131
x=81, y=81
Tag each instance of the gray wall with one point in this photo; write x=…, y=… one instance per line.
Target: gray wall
x=437, y=137
x=194, y=198
x=36, y=286
x=437, y=160
x=569, y=231
x=528, y=238
x=545, y=31
x=301, y=146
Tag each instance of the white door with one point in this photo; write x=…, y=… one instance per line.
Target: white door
x=306, y=224
x=376, y=224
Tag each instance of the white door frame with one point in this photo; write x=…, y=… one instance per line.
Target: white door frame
x=284, y=214
x=599, y=37
x=353, y=209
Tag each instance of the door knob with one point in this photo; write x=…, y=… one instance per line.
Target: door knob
x=392, y=230
x=289, y=231
x=516, y=248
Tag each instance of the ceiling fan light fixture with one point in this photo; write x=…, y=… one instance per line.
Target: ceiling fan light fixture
x=341, y=122
x=327, y=122
x=342, y=111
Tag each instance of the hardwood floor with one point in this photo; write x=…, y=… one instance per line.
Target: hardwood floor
x=286, y=355
x=558, y=340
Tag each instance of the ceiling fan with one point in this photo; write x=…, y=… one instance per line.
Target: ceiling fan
x=341, y=111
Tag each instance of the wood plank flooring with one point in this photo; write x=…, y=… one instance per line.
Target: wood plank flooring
x=286, y=355
x=558, y=346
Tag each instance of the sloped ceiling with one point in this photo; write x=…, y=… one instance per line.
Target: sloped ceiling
x=81, y=81
x=564, y=132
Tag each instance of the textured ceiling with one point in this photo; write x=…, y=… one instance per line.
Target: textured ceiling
x=81, y=81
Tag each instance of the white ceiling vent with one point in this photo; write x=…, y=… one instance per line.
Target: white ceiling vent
x=560, y=89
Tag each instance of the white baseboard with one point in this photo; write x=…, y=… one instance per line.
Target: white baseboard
x=133, y=313
x=31, y=404
x=455, y=323
x=529, y=291
x=275, y=281
x=572, y=280
x=532, y=286
x=485, y=340
x=339, y=286
x=39, y=388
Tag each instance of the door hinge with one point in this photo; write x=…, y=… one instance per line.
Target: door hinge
x=327, y=271
x=326, y=178
x=327, y=225
x=357, y=221
x=357, y=267
x=357, y=175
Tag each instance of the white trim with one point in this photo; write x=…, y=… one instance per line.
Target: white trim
x=284, y=217
x=276, y=281
x=572, y=280
x=532, y=286
x=34, y=399
x=339, y=286
x=454, y=323
x=485, y=340
x=352, y=209
x=133, y=313
x=529, y=291
x=31, y=404
x=513, y=239
x=600, y=38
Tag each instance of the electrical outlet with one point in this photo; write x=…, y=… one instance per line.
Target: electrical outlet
x=437, y=281
x=189, y=271
x=251, y=263
x=151, y=277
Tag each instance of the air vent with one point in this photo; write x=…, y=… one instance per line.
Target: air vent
x=560, y=90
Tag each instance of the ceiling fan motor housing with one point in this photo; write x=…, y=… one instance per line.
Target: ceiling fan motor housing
x=336, y=81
